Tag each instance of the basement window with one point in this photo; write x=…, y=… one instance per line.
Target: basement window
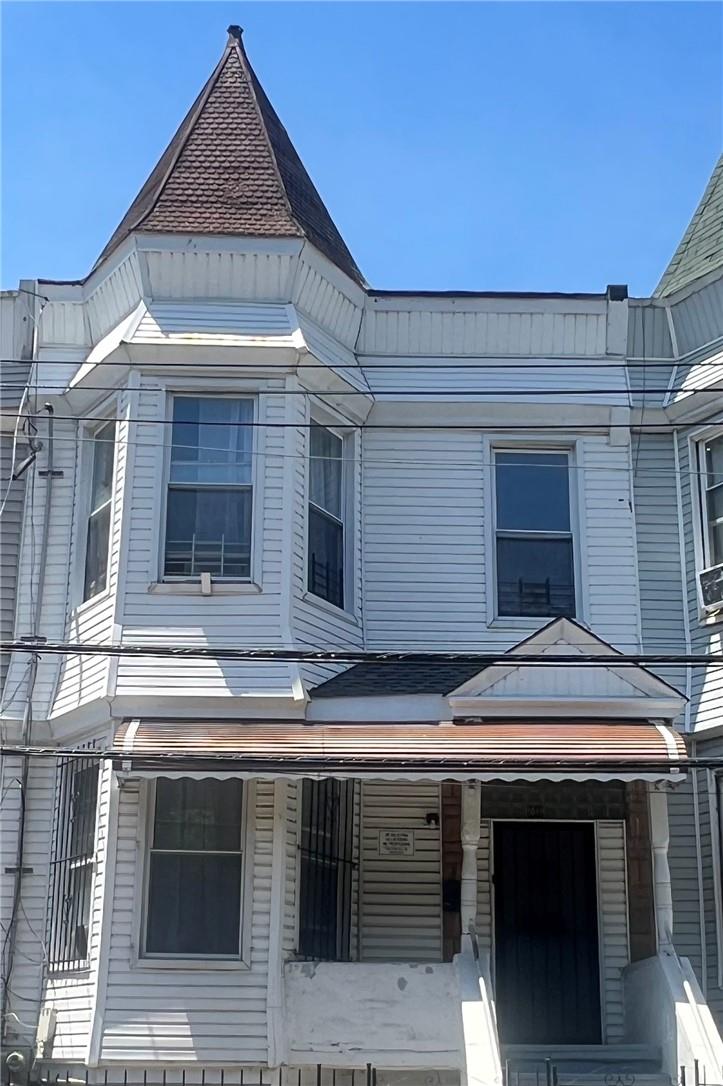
x=210, y=489
x=195, y=868
x=533, y=534
x=72, y=863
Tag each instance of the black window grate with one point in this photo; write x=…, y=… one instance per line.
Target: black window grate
x=71, y=866
x=327, y=870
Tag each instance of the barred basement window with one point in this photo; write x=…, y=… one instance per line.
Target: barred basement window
x=326, y=847
x=71, y=868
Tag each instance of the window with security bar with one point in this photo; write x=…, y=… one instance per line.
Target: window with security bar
x=327, y=485
x=210, y=489
x=326, y=875
x=534, y=541
x=72, y=864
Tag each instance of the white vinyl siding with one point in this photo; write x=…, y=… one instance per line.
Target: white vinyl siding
x=162, y=1012
x=401, y=896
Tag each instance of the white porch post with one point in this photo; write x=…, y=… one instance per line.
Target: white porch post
x=470, y=841
x=659, y=839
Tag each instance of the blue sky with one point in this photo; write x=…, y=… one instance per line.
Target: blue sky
x=476, y=146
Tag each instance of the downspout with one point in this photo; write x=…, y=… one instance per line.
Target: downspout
x=27, y=727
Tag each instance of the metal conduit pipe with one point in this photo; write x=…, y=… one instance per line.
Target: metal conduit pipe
x=26, y=730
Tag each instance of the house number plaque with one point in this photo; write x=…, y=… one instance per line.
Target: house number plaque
x=396, y=842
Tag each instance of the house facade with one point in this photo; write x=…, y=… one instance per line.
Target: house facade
x=329, y=744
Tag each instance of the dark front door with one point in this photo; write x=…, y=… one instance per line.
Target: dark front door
x=547, y=975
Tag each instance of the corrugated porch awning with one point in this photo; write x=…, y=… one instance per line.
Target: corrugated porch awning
x=496, y=750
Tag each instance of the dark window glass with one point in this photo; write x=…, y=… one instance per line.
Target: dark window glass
x=209, y=506
x=195, y=865
x=208, y=531
x=194, y=904
x=532, y=492
x=326, y=557
x=326, y=516
x=534, y=549
x=535, y=577
x=101, y=494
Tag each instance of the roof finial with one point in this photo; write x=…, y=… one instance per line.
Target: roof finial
x=235, y=32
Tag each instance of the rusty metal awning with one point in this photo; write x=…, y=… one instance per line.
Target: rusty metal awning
x=495, y=750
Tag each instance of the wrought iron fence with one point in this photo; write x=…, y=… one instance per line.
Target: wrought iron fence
x=48, y=1074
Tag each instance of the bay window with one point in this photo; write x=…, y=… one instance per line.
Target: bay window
x=97, y=538
x=210, y=488
x=326, y=543
x=533, y=534
x=195, y=864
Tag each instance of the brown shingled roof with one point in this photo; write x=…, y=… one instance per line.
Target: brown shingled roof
x=232, y=169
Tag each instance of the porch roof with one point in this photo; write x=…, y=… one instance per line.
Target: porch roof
x=495, y=750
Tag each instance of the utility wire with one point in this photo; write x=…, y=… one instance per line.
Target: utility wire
x=528, y=427
x=421, y=362
x=354, y=656
x=416, y=458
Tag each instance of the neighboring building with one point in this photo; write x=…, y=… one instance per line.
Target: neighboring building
x=276, y=868
x=679, y=512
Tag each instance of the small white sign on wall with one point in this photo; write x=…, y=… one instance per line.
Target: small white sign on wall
x=396, y=842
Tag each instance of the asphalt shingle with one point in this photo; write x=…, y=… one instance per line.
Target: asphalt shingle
x=232, y=169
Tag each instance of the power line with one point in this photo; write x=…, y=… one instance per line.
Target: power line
x=356, y=656
x=528, y=427
x=615, y=390
x=440, y=361
x=385, y=461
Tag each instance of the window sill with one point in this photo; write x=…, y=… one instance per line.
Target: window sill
x=204, y=965
x=94, y=601
x=193, y=588
x=706, y=620
x=331, y=608
x=523, y=622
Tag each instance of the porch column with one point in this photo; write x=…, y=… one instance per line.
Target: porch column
x=659, y=839
x=470, y=842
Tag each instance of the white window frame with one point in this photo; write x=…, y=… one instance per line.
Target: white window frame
x=109, y=414
x=533, y=444
x=242, y=960
x=189, y=392
x=696, y=457
x=321, y=416
x=702, y=495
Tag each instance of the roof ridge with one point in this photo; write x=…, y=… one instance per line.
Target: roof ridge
x=231, y=169
x=235, y=35
x=672, y=279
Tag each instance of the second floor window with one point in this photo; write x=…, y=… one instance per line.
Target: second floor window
x=210, y=488
x=712, y=501
x=101, y=498
x=326, y=515
x=534, y=544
